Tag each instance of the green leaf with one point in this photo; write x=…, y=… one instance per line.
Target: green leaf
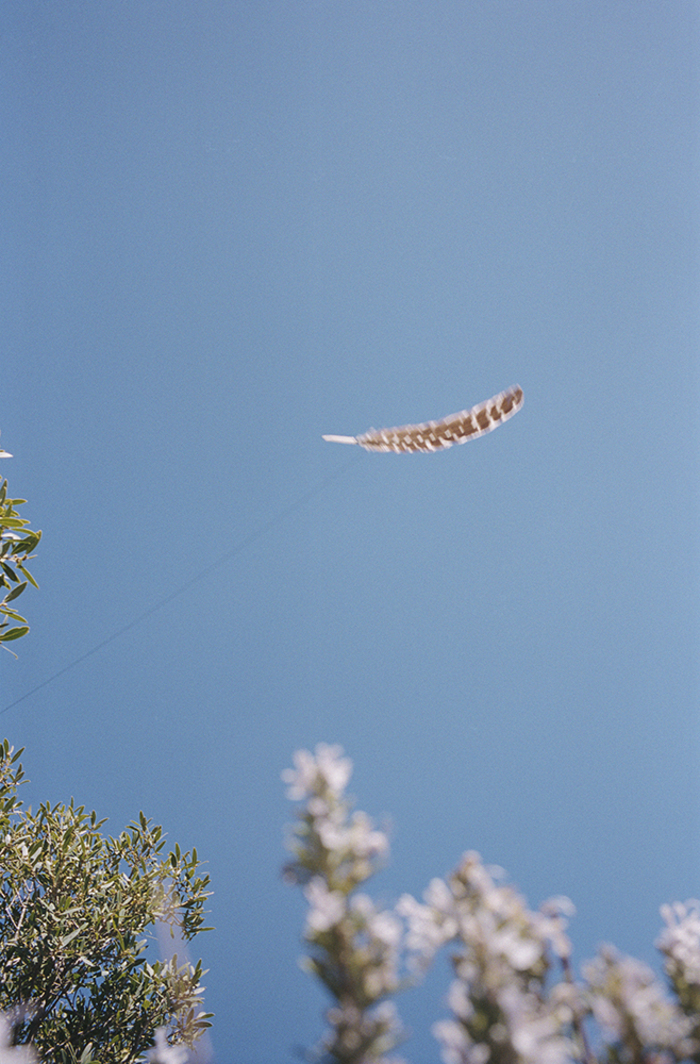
x=69, y=938
x=16, y=592
x=14, y=633
x=28, y=575
x=30, y=542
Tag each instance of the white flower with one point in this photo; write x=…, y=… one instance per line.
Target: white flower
x=364, y=840
x=439, y=897
x=455, y=1043
x=532, y=1029
x=553, y=920
x=301, y=778
x=333, y=835
x=163, y=1053
x=328, y=769
x=428, y=929
x=327, y=906
x=558, y=906
x=334, y=768
x=386, y=928
x=518, y=952
x=458, y=1000
x=10, y=1054
x=624, y=994
x=680, y=940
x=457, y=1046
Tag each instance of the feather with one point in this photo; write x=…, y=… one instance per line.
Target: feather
x=438, y=435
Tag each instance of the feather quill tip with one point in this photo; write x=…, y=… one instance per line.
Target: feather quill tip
x=340, y=439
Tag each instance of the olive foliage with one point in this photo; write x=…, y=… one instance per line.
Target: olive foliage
x=75, y=909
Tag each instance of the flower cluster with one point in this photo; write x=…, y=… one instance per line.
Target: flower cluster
x=501, y=1009
x=514, y=999
x=638, y=1021
x=679, y=944
x=353, y=945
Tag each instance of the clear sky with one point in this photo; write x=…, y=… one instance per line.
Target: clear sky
x=230, y=227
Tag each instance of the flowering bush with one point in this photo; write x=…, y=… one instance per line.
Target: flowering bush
x=353, y=945
x=514, y=999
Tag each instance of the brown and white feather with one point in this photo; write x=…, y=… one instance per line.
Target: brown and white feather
x=438, y=435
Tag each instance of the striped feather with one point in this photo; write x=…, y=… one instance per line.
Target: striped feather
x=438, y=435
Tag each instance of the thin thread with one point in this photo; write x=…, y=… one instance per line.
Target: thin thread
x=226, y=557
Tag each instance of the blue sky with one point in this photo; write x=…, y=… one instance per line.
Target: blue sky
x=230, y=227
